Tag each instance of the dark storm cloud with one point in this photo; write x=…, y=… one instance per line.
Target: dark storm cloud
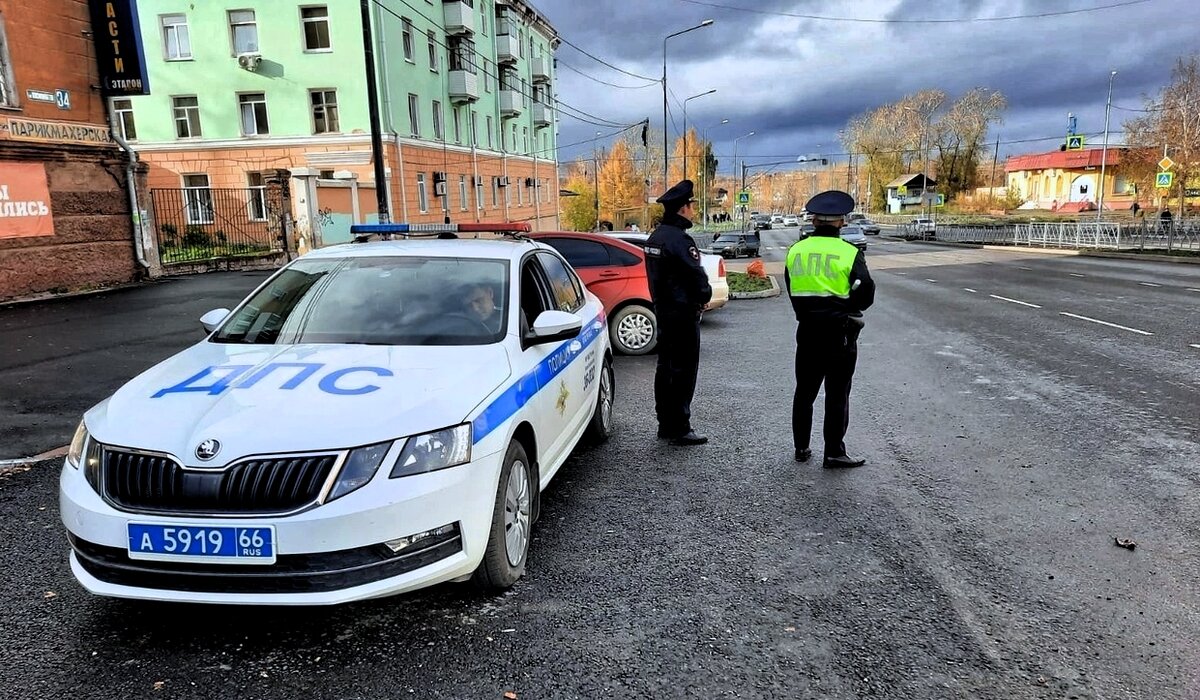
x=795, y=82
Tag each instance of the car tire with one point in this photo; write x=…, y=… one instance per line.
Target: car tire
x=512, y=520
x=633, y=330
x=602, y=426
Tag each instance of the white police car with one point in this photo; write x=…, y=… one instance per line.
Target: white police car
x=373, y=419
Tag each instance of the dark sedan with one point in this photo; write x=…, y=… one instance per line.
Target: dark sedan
x=735, y=245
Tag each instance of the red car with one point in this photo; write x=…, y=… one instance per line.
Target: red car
x=615, y=271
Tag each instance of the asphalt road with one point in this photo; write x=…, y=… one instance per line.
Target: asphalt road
x=972, y=558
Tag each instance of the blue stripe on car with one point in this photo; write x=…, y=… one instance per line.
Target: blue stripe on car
x=507, y=404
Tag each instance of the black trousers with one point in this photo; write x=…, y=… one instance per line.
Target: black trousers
x=823, y=356
x=675, y=375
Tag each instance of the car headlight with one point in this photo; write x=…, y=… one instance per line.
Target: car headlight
x=361, y=465
x=430, y=452
x=78, y=442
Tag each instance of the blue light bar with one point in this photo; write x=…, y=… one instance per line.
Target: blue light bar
x=368, y=229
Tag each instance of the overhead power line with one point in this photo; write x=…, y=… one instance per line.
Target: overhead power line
x=944, y=20
x=606, y=63
x=573, y=69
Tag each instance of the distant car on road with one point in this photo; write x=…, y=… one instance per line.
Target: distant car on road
x=920, y=227
x=735, y=245
x=855, y=236
x=761, y=224
x=869, y=227
x=791, y=220
x=854, y=217
x=777, y=220
x=807, y=230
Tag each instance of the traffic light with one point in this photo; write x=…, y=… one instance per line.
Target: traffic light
x=646, y=134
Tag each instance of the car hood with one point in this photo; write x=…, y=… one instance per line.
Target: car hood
x=292, y=398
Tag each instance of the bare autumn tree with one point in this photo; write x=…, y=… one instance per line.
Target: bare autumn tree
x=961, y=133
x=1171, y=125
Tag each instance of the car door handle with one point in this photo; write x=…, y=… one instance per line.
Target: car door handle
x=610, y=273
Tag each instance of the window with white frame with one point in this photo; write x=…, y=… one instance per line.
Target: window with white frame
x=525, y=140
x=414, y=115
x=316, y=28
x=123, y=110
x=186, y=111
x=243, y=31
x=324, y=111
x=462, y=54
x=462, y=191
x=437, y=121
x=177, y=42
x=197, y=199
x=406, y=34
x=508, y=194
x=521, y=42
x=422, y=193
x=479, y=193
x=256, y=204
x=491, y=143
x=431, y=41
x=253, y=107
x=488, y=75
x=8, y=89
x=520, y=193
x=495, y=192
x=474, y=128
x=457, y=124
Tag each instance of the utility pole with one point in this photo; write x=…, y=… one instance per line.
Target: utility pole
x=743, y=189
x=381, y=185
x=1104, y=153
x=992, y=180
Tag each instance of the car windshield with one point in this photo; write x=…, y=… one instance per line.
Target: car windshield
x=393, y=300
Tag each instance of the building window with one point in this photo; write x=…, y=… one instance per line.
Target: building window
x=8, y=90
x=474, y=128
x=521, y=42
x=483, y=20
x=422, y=193
x=479, y=194
x=525, y=140
x=462, y=191
x=488, y=75
x=525, y=91
x=491, y=142
x=406, y=32
x=316, y=28
x=462, y=54
x=457, y=125
x=187, y=117
x=414, y=115
x=123, y=109
x=257, y=202
x=253, y=107
x=324, y=111
x=197, y=199
x=495, y=192
x=508, y=194
x=431, y=40
x=177, y=44
x=243, y=30
x=437, y=121
x=520, y=194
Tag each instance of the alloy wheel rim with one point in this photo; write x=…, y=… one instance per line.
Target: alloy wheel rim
x=606, y=402
x=516, y=513
x=635, y=331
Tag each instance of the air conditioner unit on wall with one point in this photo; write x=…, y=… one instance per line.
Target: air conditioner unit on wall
x=249, y=61
x=439, y=188
x=504, y=181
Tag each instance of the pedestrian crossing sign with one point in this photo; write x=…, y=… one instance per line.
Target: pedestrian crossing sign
x=1164, y=180
x=940, y=201
x=1075, y=142
x=902, y=190
x=743, y=198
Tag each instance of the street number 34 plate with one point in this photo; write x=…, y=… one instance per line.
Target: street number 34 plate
x=213, y=545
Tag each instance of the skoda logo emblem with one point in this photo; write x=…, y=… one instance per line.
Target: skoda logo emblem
x=208, y=449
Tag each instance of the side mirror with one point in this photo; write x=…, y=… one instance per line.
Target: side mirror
x=553, y=326
x=213, y=319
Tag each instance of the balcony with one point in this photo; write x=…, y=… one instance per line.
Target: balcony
x=510, y=104
x=508, y=49
x=541, y=69
x=464, y=86
x=459, y=17
x=542, y=115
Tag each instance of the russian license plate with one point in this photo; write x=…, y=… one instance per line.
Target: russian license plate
x=213, y=545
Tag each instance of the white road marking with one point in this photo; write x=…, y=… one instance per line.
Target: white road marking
x=1076, y=274
x=1027, y=269
x=968, y=289
x=902, y=273
x=1014, y=301
x=1193, y=290
x=1196, y=346
x=1106, y=323
x=929, y=280
x=1149, y=284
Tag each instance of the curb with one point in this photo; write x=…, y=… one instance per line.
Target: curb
x=1115, y=255
x=774, y=291
x=12, y=465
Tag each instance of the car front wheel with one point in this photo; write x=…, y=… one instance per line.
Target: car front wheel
x=512, y=517
x=634, y=330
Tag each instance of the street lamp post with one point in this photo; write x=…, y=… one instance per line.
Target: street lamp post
x=705, y=184
x=685, y=131
x=1104, y=153
x=666, y=153
x=735, y=145
x=596, y=180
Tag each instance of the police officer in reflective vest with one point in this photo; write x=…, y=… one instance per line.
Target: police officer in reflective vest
x=830, y=287
x=680, y=290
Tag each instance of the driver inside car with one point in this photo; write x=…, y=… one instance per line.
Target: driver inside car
x=480, y=303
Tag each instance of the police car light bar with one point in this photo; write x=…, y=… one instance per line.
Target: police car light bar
x=362, y=231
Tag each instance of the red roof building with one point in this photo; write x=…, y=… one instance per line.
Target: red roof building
x=1069, y=180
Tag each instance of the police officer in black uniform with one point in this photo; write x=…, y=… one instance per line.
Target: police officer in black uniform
x=679, y=287
x=829, y=288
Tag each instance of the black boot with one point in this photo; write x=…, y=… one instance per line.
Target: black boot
x=690, y=438
x=843, y=462
x=803, y=455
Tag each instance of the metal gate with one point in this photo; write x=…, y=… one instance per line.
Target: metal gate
x=202, y=223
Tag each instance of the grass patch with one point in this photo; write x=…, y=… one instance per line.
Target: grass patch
x=741, y=282
x=178, y=254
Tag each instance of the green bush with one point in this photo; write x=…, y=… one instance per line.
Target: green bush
x=196, y=237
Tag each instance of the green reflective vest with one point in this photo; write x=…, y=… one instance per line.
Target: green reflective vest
x=819, y=266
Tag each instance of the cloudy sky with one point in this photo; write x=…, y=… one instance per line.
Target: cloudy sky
x=796, y=81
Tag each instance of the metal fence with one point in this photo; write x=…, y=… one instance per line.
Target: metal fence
x=1157, y=235
x=201, y=223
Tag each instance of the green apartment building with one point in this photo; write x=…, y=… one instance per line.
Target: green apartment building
x=243, y=88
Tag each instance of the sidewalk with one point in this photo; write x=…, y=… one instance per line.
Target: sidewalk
x=59, y=357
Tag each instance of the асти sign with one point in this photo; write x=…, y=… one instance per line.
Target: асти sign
x=119, y=47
